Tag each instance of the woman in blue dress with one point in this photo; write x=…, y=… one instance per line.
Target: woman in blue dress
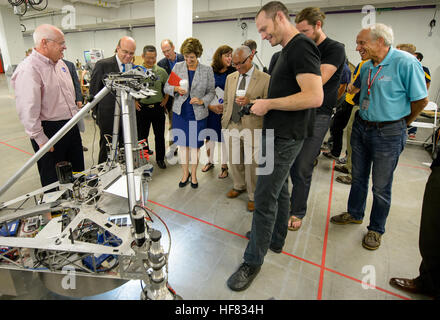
x=190, y=106
x=221, y=65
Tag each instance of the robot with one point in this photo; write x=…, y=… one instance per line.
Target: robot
x=67, y=229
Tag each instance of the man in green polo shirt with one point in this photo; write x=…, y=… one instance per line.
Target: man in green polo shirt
x=151, y=110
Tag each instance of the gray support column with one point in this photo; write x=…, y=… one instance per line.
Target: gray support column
x=173, y=20
x=11, y=38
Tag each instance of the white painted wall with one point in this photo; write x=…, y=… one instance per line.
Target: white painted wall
x=11, y=40
x=409, y=26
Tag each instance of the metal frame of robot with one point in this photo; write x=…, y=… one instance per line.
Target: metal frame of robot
x=140, y=254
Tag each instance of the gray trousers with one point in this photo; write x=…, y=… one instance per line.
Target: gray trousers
x=271, y=215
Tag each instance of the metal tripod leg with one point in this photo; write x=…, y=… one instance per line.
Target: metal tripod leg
x=115, y=136
x=130, y=141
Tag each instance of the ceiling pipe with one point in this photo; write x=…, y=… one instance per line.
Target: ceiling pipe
x=149, y=25
x=99, y=3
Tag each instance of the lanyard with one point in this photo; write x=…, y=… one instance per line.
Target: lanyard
x=370, y=83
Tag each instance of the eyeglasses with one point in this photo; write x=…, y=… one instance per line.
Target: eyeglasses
x=241, y=63
x=62, y=44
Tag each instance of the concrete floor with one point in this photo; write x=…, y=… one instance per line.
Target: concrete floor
x=320, y=261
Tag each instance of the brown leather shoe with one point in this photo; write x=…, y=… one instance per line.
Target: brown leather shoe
x=234, y=193
x=251, y=206
x=408, y=285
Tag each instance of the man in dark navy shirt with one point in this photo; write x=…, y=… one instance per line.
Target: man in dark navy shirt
x=428, y=281
x=309, y=22
x=295, y=88
x=168, y=62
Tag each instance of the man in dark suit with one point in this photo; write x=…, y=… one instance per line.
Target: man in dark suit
x=76, y=85
x=105, y=109
x=171, y=58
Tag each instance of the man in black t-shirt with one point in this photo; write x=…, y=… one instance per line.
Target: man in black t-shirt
x=295, y=88
x=309, y=22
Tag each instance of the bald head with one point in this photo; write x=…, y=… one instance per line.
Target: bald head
x=49, y=41
x=125, y=49
x=167, y=48
x=46, y=31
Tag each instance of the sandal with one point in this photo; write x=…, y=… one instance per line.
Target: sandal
x=344, y=179
x=296, y=223
x=222, y=174
x=208, y=167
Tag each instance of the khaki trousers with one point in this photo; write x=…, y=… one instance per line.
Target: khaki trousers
x=243, y=148
x=349, y=127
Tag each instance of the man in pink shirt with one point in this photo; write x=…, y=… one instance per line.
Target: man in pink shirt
x=45, y=101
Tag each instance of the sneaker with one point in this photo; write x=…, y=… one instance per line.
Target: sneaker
x=344, y=218
x=329, y=155
x=242, y=278
x=344, y=179
x=371, y=240
x=341, y=168
x=412, y=136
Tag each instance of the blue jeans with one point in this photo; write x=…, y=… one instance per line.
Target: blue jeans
x=302, y=169
x=377, y=149
x=412, y=130
x=271, y=215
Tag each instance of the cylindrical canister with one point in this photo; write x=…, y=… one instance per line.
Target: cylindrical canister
x=64, y=172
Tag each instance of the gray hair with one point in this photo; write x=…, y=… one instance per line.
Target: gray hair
x=247, y=51
x=44, y=31
x=380, y=30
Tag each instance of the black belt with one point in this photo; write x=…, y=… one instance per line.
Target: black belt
x=376, y=124
x=149, y=105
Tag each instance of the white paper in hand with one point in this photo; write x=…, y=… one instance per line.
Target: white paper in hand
x=219, y=95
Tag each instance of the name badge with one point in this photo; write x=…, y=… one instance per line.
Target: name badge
x=365, y=104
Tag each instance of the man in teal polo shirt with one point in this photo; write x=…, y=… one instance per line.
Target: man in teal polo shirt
x=151, y=110
x=392, y=94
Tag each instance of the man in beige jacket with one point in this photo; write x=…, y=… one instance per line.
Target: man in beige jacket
x=242, y=87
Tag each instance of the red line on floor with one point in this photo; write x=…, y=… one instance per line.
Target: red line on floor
x=13, y=139
x=324, y=247
x=302, y=259
x=8, y=145
x=376, y=287
x=414, y=167
x=200, y=220
x=286, y=253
